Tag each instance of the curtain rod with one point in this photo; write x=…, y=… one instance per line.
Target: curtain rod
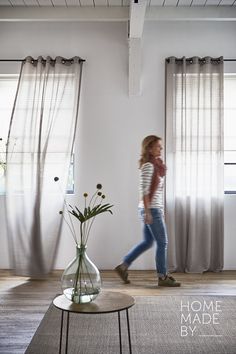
x=82, y=60
x=180, y=59
x=20, y=60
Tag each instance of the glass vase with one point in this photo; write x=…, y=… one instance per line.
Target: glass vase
x=81, y=280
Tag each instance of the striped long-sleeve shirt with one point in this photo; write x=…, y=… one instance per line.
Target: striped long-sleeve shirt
x=145, y=179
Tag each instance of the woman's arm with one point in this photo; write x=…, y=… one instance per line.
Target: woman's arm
x=148, y=215
x=145, y=183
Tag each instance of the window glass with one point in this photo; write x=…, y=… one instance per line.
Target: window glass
x=8, y=86
x=230, y=133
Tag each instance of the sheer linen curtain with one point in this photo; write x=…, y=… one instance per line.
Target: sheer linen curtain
x=194, y=155
x=40, y=142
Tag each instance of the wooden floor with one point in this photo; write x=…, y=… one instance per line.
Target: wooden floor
x=23, y=301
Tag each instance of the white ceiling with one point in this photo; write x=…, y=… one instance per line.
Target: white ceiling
x=108, y=3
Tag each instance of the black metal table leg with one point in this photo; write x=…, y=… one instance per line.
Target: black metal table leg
x=120, y=332
x=62, y=316
x=127, y=317
x=67, y=331
x=107, y=302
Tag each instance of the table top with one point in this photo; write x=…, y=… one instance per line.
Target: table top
x=106, y=302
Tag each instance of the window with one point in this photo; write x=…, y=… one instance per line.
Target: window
x=196, y=131
x=230, y=133
x=8, y=86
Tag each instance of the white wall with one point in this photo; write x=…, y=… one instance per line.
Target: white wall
x=112, y=125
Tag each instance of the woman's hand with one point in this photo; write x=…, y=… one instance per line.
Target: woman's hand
x=148, y=217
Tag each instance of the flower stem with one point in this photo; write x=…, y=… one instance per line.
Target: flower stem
x=90, y=223
x=71, y=230
x=80, y=276
x=81, y=233
x=92, y=198
x=71, y=222
x=77, y=275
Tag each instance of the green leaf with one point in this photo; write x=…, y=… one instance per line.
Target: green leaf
x=90, y=213
x=77, y=214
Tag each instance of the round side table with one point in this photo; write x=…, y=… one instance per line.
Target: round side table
x=106, y=302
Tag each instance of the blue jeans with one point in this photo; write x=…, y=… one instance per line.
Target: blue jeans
x=153, y=232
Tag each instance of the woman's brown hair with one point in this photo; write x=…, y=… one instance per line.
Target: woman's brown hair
x=147, y=144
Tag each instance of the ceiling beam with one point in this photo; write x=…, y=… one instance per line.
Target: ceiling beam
x=194, y=13
x=116, y=13
x=137, y=11
x=64, y=14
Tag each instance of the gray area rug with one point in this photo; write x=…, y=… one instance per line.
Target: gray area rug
x=159, y=325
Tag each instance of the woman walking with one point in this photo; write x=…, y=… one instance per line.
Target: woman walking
x=151, y=208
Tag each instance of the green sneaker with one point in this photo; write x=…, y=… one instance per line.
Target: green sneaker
x=168, y=281
x=121, y=270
